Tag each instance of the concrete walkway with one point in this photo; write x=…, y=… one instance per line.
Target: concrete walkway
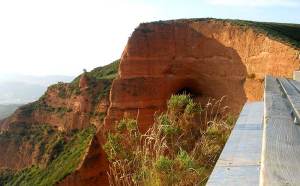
x=281, y=136
x=239, y=163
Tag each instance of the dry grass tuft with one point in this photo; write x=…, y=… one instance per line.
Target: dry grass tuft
x=181, y=148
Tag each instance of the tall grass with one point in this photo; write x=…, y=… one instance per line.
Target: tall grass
x=181, y=147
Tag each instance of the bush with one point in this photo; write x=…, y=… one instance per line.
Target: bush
x=131, y=124
x=113, y=147
x=175, y=150
x=185, y=160
x=179, y=102
x=192, y=108
x=164, y=164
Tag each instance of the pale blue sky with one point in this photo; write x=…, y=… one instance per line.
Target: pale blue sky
x=40, y=37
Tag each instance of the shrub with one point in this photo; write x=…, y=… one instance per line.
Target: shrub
x=164, y=164
x=179, y=102
x=113, y=147
x=185, y=160
x=192, y=108
x=167, y=127
x=171, y=152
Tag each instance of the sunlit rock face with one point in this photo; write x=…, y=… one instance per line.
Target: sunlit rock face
x=208, y=58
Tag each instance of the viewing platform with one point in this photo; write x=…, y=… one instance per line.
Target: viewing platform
x=264, y=146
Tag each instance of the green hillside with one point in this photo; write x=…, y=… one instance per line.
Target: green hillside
x=60, y=152
x=66, y=159
x=284, y=32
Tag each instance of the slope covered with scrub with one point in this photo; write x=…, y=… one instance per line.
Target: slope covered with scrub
x=180, y=148
x=43, y=142
x=64, y=159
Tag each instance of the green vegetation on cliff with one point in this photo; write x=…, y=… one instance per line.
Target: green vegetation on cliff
x=42, y=139
x=99, y=80
x=41, y=105
x=108, y=72
x=66, y=160
x=288, y=33
x=284, y=32
x=181, y=148
x=55, y=154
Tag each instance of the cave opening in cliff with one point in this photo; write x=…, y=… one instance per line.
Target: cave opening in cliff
x=189, y=91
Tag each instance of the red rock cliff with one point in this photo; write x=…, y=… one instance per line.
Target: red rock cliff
x=208, y=58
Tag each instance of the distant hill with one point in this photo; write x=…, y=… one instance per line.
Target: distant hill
x=7, y=110
x=20, y=89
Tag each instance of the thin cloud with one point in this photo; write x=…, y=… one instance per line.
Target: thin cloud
x=256, y=3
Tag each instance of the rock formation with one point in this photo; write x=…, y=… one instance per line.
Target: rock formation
x=208, y=58
x=92, y=171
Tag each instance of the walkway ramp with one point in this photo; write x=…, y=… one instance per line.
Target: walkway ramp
x=239, y=163
x=281, y=137
x=264, y=146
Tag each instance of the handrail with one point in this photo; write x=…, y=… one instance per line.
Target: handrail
x=295, y=114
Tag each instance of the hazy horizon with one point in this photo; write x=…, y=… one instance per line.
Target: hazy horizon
x=63, y=37
x=22, y=89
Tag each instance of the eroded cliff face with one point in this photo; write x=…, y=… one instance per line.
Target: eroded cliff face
x=93, y=169
x=207, y=58
x=58, y=109
x=64, y=108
